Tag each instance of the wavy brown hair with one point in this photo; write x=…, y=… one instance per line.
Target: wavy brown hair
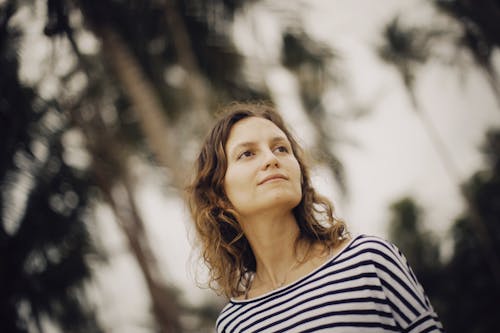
x=224, y=247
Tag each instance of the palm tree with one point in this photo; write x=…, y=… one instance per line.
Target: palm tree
x=141, y=43
x=44, y=239
x=406, y=49
x=110, y=174
x=474, y=307
x=147, y=105
x=480, y=33
x=310, y=60
x=470, y=309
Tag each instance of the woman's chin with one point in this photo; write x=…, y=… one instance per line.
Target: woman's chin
x=281, y=201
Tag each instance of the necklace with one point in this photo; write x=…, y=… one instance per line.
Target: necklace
x=280, y=284
x=274, y=286
x=285, y=277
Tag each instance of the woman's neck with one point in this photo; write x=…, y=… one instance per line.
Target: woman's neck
x=273, y=240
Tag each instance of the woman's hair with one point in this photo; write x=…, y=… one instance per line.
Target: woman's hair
x=224, y=247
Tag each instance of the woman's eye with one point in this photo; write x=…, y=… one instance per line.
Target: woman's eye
x=282, y=149
x=245, y=154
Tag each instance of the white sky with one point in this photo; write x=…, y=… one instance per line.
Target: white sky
x=393, y=156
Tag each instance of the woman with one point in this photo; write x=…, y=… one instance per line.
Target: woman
x=276, y=250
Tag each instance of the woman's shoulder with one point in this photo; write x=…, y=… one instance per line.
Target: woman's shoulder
x=372, y=241
x=377, y=247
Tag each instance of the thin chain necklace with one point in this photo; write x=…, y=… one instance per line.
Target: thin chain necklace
x=279, y=285
x=285, y=277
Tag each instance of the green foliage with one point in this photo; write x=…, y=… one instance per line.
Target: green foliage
x=420, y=247
x=463, y=290
x=44, y=240
x=480, y=22
x=144, y=27
x=472, y=292
x=311, y=62
x=52, y=217
x=477, y=33
x=406, y=48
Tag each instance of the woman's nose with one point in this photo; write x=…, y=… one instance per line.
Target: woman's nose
x=270, y=159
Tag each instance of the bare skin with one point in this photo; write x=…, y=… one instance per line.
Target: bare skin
x=316, y=257
x=263, y=184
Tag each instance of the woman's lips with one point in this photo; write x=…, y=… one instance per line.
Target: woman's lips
x=272, y=177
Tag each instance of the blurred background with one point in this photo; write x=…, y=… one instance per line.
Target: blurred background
x=103, y=105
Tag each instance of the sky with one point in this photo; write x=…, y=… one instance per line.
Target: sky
x=392, y=156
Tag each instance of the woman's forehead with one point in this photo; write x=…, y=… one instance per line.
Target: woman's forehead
x=254, y=129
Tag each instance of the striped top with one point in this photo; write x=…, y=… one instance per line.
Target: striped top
x=366, y=287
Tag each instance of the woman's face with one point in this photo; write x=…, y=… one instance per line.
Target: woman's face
x=262, y=171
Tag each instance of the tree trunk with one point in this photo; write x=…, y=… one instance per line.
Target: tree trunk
x=452, y=171
x=492, y=78
x=125, y=209
x=195, y=84
x=110, y=169
x=146, y=104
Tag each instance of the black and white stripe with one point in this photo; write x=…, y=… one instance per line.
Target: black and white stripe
x=367, y=287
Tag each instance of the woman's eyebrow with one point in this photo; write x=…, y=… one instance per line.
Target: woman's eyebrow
x=279, y=139
x=247, y=144
x=240, y=145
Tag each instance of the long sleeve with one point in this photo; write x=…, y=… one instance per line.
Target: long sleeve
x=367, y=287
x=411, y=307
